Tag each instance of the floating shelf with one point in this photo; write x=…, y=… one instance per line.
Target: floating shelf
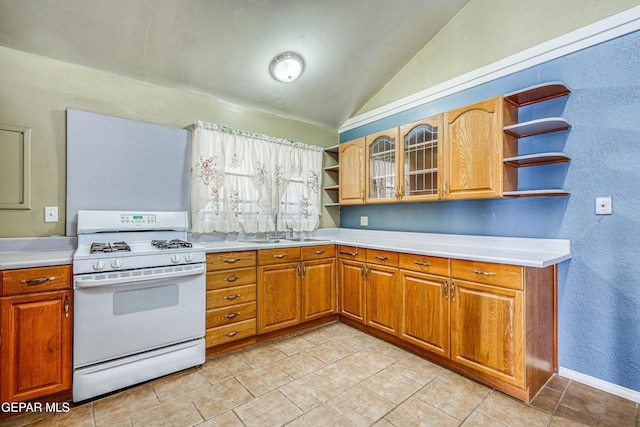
x=537, y=127
x=537, y=93
x=536, y=193
x=332, y=205
x=332, y=150
x=332, y=188
x=536, y=159
x=332, y=168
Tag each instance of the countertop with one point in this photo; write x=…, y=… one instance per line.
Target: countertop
x=531, y=252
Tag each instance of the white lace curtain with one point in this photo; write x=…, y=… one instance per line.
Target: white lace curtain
x=245, y=182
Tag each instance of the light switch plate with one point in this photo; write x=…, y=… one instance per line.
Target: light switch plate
x=51, y=214
x=364, y=220
x=603, y=205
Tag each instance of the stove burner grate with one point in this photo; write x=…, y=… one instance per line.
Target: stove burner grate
x=171, y=244
x=109, y=247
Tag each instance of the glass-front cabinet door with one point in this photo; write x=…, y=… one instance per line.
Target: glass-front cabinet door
x=421, y=159
x=382, y=167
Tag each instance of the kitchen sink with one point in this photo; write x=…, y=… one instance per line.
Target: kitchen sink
x=291, y=239
x=263, y=241
x=305, y=239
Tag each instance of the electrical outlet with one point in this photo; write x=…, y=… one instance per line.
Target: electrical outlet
x=51, y=214
x=364, y=220
x=603, y=205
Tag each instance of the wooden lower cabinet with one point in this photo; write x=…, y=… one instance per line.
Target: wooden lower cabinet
x=425, y=311
x=351, y=289
x=318, y=288
x=36, y=337
x=487, y=330
x=382, y=298
x=231, y=297
x=279, y=296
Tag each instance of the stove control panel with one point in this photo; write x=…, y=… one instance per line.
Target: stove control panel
x=135, y=219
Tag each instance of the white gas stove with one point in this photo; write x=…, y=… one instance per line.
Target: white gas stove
x=139, y=299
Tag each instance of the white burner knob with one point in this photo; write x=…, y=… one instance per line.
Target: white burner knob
x=175, y=259
x=98, y=265
x=116, y=263
x=188, y=257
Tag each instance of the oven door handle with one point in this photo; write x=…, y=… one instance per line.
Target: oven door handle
x=127, y=277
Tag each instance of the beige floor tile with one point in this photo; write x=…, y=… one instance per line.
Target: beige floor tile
x=28, y=418
x=271, y=409
x=293, y=345
x=383, y=423
x=389, y=350
x=226, y=419
x=322, y=416
x=329, y=352
x=355, y=340
x=547, y=400
x=179, y=412
x=361, y=406
x=343, y=375
x=465, y=383
x=478, y=419
x=414, y=412
x=221, y=368
x=300, y=364
x=120, y=406
x=557, y=383
x=263, y=380
x=369, y=360
x=178, y=385
x=512, y=412
x=456, y=400
x=220, y=397
x=309, y=392
x=261, y=355
x=322, y=334
x=417, y=369
x=79, y=416
x=392, y=385
x=608, y=409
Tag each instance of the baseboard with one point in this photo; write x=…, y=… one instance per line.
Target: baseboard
x=608, y=387
x=609, y=28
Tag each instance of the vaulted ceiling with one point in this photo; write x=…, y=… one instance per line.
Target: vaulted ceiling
x=223, y=48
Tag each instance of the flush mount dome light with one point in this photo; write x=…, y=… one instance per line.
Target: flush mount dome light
x=286, y=67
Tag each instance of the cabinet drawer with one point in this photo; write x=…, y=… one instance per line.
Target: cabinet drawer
x=425, y=264
x=230, y=296
x=228, y=333
x=226, y=260
x=231, y=314
x=353, y=252
x=29, y=280
x=508, y=276
x=278, y=255
x=318, y=252
x=227, y=278
x=375, y=256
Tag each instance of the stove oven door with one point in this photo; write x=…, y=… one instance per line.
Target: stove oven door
x=120, y=314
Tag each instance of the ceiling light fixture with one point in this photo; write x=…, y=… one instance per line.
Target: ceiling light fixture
x=286, y=67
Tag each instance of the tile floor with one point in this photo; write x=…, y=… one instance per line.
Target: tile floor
x=335, y=376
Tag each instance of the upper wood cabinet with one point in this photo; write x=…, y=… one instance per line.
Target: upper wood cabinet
x=382, y=166
x=352, y=172
x=473, y=153
x=420, y=159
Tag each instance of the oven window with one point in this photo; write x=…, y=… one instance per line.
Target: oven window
x=145, y=299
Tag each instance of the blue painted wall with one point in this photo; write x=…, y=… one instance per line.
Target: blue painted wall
x=599, y=288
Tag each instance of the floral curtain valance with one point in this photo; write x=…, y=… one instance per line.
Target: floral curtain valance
x=245, y=182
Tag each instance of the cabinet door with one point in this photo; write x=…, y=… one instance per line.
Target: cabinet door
x=425, y=311
x=352, y=172
x=36, y=345
x=352, y=289
x=473, y=154
x=382, y=298
x=278, y=296
x=421, y=159
x=318, y=288
x=487, y=330
x=382, y=166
